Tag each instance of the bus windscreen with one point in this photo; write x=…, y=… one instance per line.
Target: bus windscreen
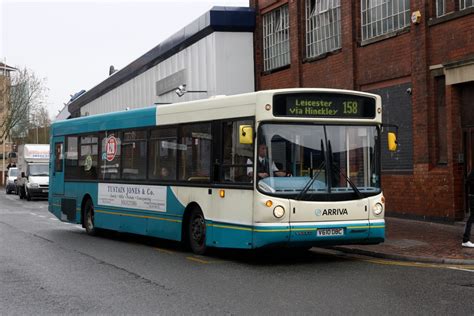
x=326, y=105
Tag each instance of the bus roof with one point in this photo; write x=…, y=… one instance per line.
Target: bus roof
x=106, y=121
x=214, y=107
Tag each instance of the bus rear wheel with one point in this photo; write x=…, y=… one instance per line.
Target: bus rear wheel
x=197, y=232
x=89, y=218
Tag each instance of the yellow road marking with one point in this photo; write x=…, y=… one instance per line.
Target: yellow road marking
x=461, y=269
x=414, y=264
x=198, y=260
x=164, y=250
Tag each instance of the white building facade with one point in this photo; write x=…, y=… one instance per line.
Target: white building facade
x=211, y=56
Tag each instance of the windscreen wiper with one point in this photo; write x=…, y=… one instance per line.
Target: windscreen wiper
x=310, y=182
x=336, y=168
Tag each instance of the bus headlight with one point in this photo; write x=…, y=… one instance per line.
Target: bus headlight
x=378, y=209
x=278, y=211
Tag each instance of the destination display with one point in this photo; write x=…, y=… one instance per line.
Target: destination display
x=323, y=105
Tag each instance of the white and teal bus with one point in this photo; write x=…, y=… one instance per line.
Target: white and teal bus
x=289, y=167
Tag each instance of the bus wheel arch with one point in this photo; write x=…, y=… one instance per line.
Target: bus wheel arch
x=193, y=232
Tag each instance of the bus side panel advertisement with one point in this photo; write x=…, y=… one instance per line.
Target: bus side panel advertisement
x=143, y=197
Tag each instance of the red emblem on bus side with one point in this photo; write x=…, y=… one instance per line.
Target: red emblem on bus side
x=111, y=147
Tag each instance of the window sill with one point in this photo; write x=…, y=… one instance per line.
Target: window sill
x=397, y=172
x=269, y=72
x=322, y=56
x=450, y=16
x=383, y=37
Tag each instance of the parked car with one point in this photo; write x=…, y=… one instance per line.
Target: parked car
x=11, y=178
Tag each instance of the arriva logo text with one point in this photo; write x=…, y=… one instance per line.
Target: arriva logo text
x=331, y=212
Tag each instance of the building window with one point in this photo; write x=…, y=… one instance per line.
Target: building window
x=397, y=109
x=380, y=17
x=440, y=7
x=323, y=26
x=276, y=39
x=464, y=4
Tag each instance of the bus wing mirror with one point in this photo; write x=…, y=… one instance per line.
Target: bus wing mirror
x=246, y=134
x=392, y=141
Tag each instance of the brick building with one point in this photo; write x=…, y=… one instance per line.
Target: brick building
x=5, y=71
x=418, y=55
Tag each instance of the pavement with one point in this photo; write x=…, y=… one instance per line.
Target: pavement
x=418, y=241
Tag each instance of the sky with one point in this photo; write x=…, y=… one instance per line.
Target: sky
x=71, y=44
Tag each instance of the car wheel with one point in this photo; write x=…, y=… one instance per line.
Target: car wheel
x=27, y=194
x=89, y=218
x=197, y=232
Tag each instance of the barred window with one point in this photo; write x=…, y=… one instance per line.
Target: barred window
x=276, y=43
x=440, y=7
x=323, y=26
x=383, y=16
x=464, y=4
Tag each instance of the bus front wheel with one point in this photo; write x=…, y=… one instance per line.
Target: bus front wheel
x=197, y=232
x=89, y=218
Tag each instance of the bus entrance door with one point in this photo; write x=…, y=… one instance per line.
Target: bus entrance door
x=56, y=183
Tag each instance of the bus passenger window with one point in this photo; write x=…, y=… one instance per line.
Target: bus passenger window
x=195, y=152
x=88, y=157
x=163, y=146
x=58, y=157
x=111, y=148
x=72, y=163
x=134, y=155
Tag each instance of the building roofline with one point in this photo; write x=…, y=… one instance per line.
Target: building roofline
x=6, y=67
x=218, y=19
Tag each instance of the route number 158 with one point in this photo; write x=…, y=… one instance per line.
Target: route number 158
x=350, y=107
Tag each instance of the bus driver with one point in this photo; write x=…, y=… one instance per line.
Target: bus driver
x=263, y=166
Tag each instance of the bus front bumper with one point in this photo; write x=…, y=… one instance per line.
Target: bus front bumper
x=320, y=234
x=228, y=235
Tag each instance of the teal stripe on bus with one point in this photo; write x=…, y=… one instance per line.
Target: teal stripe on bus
x=137, y=118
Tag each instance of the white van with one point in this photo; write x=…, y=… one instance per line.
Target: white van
x=33, y=175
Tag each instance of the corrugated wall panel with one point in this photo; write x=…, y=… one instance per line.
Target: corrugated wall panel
x=220, y=63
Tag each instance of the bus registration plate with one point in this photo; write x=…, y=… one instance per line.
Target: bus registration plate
x=330, y=232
